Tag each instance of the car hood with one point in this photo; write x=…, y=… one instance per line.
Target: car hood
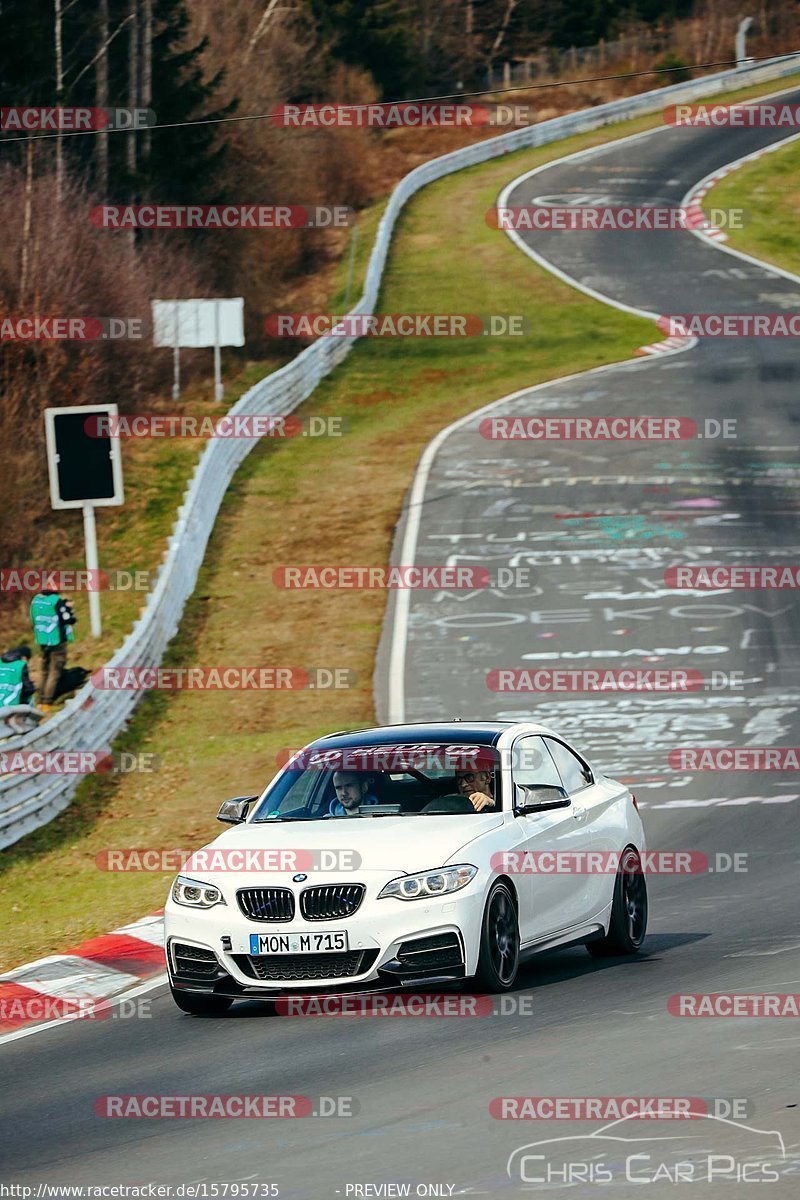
x=397, y=844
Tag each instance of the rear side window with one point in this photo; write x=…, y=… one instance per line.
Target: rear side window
x=570, y=767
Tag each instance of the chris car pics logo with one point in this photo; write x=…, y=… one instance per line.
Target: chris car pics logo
x=713, y=1150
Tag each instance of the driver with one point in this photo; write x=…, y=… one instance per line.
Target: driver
x=478, y=786
x=352, y=794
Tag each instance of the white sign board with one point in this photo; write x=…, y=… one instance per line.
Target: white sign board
x=194, y=324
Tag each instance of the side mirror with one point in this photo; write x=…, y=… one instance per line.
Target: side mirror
x=233, y=812
x=538, y=798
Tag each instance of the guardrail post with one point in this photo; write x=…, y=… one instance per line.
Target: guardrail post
x=741, y=38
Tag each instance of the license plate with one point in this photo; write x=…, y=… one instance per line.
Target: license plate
x=297, y=943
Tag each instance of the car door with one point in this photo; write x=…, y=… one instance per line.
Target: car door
x=590, y=801
x=550, y=900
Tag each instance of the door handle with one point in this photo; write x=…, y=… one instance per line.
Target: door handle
x=579, y=814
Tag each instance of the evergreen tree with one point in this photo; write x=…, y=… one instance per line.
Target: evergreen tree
x=373, y=34
x=185, y=163
x=27, y=75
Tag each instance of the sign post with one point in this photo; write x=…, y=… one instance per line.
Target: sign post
x=176, y=359
x=84, y=466
x=90, y=539
x=218, y=389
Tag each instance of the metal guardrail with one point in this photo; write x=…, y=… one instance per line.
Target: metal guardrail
x=93, y=718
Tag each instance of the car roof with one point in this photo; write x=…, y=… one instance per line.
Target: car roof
x=476, y=733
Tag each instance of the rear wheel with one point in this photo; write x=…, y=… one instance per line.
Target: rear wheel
x=498, y=960
x=200, y=1005
x=628, y=923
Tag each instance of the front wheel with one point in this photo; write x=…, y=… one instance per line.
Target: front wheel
x=200, y=1005
x=498, y=960
x=628, y=923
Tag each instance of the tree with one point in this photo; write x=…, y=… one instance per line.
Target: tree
x=184, y=164
x=373, y=34
x=101, y=93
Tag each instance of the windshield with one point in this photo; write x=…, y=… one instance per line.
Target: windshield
x=368, y=782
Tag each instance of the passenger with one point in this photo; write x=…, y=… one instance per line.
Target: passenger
x=352, y=794
x=16, y=685
x=478, y=786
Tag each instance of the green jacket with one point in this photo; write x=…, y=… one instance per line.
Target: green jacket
x=11, y=681
x=49, y=619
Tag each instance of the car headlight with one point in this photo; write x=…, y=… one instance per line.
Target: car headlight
x=429, y=883
x=194, y=894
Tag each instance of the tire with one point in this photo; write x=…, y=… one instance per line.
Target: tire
x=498, y=960
x=628, y=924
x=199, y=1005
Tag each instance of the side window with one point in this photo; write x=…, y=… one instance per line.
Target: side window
x=532, y=763
x=570, y=767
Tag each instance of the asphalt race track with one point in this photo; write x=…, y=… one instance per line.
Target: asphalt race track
x=596, y=524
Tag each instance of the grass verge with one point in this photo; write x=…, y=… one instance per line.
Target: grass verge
x=768, y=191
x=333, y=500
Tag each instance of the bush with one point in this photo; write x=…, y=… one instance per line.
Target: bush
x=676, y=69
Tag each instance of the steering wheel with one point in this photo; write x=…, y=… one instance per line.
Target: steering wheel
x=453, y=802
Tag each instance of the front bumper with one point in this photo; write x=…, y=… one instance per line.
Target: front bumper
x=392, y=943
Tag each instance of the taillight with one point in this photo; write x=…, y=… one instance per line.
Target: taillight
x=635, y=802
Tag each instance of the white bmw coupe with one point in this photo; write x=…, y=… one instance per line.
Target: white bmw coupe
x=408, y=855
